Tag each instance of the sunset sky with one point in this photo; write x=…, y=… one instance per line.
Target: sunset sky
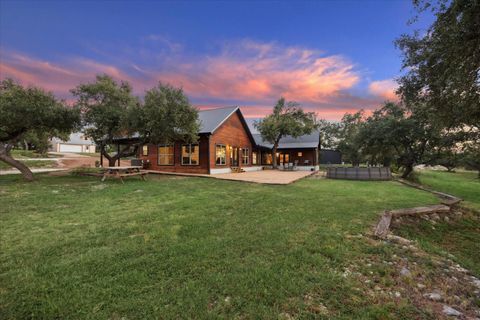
x=330, y=56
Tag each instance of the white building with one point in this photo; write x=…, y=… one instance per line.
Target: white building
x=77, y=142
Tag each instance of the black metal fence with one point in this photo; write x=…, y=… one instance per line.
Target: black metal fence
x=359, y=173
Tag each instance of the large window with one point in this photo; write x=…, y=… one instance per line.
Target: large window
x=254, y=158
x=166, y=155
x=190, y=154
x=245, y=155
x=145, y=150
x=267, y=157
x=220, y=155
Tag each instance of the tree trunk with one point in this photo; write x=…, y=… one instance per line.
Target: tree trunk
x=274, y=156
x=408, y=170
x=7, y=158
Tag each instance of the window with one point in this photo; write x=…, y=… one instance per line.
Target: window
x=220, y=154
x=299, y=154
x=165, y=155
x=245, y=155
x=190, y=154
x=145, y=150
x=254, y=158
x=267, y=157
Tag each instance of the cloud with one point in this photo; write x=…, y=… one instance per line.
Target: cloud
x=248, y=73
x=384, y=88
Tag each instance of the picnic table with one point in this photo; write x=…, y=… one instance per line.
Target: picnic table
x=122, y=172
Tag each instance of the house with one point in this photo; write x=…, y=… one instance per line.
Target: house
x=77, y=143
x=226, y=144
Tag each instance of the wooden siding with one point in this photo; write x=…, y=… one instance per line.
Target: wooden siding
x=307, y=154
x=202, y=167
x=231, y=133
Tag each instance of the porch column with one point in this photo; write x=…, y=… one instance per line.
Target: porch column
x=118, y=153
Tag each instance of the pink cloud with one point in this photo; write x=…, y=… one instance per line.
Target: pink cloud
x=384, y=88
x=249, y=73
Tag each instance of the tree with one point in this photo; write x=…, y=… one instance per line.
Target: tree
x=106, y=107
x=166, y=116
x=30, y=111
x=347, y=135
x=443, y=63
x=286, y=119
x=406, y=135
x=471, y=151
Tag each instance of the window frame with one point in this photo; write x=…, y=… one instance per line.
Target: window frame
x=225, y=158
x=190, y=154
x=247, y=157
x=143, y=150
x=167, y=154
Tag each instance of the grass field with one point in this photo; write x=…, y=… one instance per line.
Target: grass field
x=32, y=164
x=464, y=184
x=460, y=237
x=73, y=247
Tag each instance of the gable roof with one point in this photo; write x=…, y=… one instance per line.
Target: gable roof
x=306, y=141
x=212, y=119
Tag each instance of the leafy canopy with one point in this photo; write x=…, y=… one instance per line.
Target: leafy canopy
x=167, y=116
x=443, y=64
x=105, y=106
x=32, y=111
x=287, y=118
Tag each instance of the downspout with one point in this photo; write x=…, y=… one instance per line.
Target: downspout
x=208, y=162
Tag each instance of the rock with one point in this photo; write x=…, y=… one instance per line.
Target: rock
x=377, y=288
x=398, y=239
x=434, y=296
x=405, y=272
x=397, y=294
x=421, y=286
x=227, y=299
x=446, y=219
x=449, y=311
x=476, y=283
x=435, y=216
x=139, y=190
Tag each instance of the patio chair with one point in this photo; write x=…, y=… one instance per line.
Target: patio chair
x=306, y=162
x=290, y=166
x=295, y=164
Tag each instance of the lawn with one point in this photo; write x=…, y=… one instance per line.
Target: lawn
x=461, y=237
x=32, y=164
x=463, y=184
x=73, y=247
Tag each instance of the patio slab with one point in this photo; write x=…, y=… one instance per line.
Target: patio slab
x=264, y=176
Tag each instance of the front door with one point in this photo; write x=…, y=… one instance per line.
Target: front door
x=234, y=157
x=283, y=158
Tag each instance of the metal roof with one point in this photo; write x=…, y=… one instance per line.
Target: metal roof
x=75, y=138
x=211, y=119
x=306, y=141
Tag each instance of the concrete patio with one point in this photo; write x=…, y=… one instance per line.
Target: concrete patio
x=264, y=176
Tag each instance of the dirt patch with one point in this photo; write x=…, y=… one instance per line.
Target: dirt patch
x=432, y=283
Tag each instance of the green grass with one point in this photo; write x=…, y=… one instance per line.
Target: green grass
x=459, y=237
x=32, y=164
x=19, y=154
x=463, y=184
x=73, y=247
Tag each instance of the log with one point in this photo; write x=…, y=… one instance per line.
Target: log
x=439, y=208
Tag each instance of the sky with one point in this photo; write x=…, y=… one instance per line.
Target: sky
x=331, y=57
